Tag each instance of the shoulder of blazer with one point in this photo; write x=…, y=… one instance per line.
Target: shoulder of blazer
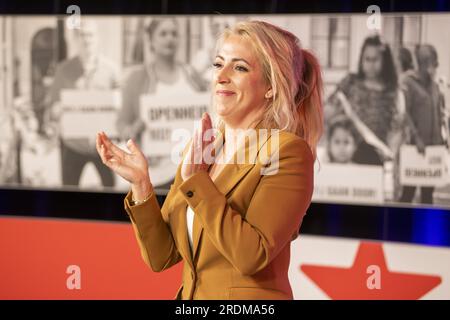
x=289, y=142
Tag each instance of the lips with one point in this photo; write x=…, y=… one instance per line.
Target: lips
x=225, y=93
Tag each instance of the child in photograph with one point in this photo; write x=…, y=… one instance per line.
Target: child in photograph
x=342, y=140
x=345, y=144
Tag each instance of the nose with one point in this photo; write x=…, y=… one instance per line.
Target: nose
x=222, y=76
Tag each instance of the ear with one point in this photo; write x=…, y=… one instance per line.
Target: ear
x=269, y=94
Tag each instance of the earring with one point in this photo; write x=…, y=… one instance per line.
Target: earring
x=268, y=95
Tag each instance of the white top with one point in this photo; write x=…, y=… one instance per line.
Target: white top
x=181, y=84
x=190, y=223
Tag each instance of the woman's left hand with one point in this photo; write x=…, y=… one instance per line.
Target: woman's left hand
x=197, y=159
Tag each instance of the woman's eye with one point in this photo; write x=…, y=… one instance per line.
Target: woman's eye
x=241, y=68
x=216, y=65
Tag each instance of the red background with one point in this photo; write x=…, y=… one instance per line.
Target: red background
x=35, y=254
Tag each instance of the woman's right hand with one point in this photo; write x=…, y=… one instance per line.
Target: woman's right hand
x=132, y=166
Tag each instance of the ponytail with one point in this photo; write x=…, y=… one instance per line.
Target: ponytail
x=309, y=101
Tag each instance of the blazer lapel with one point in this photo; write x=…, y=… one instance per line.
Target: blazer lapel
x=229, y=176
x=226, y=180
x=179, y=222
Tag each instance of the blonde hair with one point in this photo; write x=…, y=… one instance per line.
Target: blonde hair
x=294, y=75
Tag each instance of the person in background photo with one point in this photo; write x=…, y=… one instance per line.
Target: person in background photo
x=371, y=97
x=425, y=110
x=164, y=75
x=87, y=70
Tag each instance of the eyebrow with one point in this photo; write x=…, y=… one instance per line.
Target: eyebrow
x=235, y=59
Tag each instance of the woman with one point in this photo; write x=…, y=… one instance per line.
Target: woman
x=370, y=98
x=163, y=75
x=231, y=225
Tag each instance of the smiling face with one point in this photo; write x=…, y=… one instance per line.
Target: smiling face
x=239, y=87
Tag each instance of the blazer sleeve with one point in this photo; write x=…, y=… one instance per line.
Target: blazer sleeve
x=151, y=228
x=252, y=240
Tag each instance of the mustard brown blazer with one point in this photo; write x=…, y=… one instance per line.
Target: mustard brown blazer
x=243, y=224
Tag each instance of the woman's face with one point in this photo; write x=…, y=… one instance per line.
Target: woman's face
x=164, y=40
x=239, y=87
x=372, y=62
